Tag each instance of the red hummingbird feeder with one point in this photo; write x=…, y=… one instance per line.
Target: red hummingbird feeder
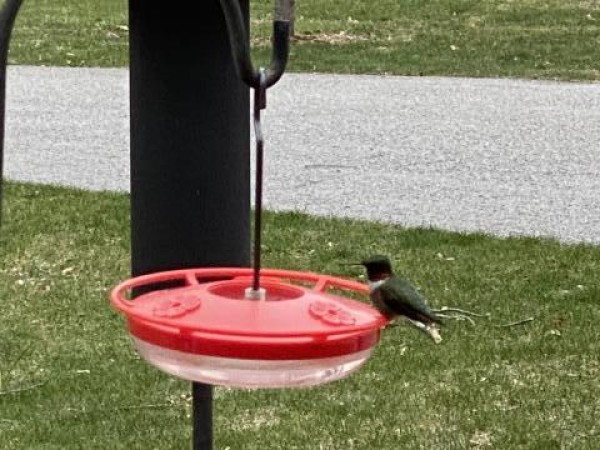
x=247, y=327
x=209, y=329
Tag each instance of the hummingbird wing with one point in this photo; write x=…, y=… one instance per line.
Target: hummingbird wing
x=400, y=297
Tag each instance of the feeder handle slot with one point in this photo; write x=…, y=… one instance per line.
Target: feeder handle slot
x=240, y=46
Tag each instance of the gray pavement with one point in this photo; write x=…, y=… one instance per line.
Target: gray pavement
x=501, y=156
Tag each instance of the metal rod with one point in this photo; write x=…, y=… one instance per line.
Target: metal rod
x=202, y=395
x=260, y=102
x=8, y=14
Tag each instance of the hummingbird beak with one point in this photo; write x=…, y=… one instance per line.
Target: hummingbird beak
x=350, y=264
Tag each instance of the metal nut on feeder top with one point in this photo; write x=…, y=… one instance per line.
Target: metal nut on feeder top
x=202, y=326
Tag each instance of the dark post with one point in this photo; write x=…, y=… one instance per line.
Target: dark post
x=8, y=15
x=190, y=189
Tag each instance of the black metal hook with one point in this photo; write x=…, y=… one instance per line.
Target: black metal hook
x=240, y=46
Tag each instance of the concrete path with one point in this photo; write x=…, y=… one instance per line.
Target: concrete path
x=502, y=156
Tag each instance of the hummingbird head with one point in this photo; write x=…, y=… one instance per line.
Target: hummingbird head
x=378, y=267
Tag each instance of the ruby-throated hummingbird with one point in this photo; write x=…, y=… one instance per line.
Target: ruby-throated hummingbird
x=394, y=296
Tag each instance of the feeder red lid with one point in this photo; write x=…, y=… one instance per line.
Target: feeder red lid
x=205, y=312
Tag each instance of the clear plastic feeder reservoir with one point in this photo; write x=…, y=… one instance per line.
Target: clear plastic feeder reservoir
x=202, y=325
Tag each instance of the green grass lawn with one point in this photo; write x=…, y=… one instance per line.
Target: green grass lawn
x=550, y=39
x=71, y=380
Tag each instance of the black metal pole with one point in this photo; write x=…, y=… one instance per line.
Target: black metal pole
x=190, y=166
x=8, y=15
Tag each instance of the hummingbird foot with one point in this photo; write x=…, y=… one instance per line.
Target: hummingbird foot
x=432, y=330
x=434, y=333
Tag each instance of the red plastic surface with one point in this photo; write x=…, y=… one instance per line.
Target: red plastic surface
x=207, y=314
